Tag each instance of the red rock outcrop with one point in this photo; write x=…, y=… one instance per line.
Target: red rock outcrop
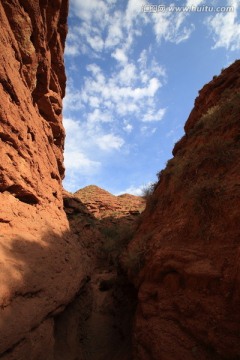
x=38, y=257
x=189, y=285
x=103, y=204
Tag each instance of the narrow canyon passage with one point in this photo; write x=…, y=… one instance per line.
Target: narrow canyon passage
x=97, y=325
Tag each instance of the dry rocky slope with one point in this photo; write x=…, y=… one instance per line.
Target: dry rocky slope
x=103, y=204
x=38, y=257
x=189, y=286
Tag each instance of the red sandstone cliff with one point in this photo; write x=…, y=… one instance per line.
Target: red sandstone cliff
x=189, y=285
x=37, y=256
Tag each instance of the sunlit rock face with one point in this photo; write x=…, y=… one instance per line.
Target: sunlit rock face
x=189, y=284
x=38, y=257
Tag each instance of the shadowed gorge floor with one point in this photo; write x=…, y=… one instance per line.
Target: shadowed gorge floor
x=97, y=325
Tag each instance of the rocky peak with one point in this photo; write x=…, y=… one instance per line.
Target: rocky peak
x=103, y=204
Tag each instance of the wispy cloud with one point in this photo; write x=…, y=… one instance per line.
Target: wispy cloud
x=194, y=2
x=154, y=115
x=225, y=27
x=76, y=157
x=171, y=26
x=135, y=190
x=127, y=127
x=109, y=141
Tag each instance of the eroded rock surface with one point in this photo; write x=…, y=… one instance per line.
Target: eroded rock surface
x=188, y=288
x=38, y=256
x=103, y=204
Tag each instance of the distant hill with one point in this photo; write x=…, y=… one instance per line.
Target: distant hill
x=102, y=203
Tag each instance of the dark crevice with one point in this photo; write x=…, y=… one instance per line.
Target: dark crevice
x=61, y=168
x=5, y=221
x=28, y=295
x=55, y=176
x=23, y=195
x=9, y=89
x=11, y=349
x=41, y=82
x=8, y=139
x=31, y=134
x=55, y=194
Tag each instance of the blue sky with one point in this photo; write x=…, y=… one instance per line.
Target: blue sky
x=133, y=76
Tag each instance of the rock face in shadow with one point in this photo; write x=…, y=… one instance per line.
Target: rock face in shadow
x=38, y=256
x=189, y=280
x=97, y=325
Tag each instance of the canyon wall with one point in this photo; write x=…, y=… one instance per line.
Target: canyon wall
x=188, y=243
x=41, y=266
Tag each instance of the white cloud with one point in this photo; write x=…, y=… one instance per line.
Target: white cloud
x=134, y=11
x=93, y=68
x=154, y=116
x=124, y=92
x=71, y=49
x=106, y=28
x=157, y=69
x=194, y=2
x=115, y=30
x=170, y=133
x=90, y=10
x=127, y=108
x=92, y=36
x=120, y=56
x=94, y=101
x=170, y=26
x=135, y=190
x=98, y=116
x=127, y=127
x=128, y=74
x=154, y=85
x=226, y=28
x=75, y=157
x=86, y=143
x=142, y=60
x=109, y=142
x=73, y=98
x=76, y=160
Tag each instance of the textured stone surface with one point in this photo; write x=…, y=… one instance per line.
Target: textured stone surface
x=188, y=297
x=103, y=204
x=37, y=253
